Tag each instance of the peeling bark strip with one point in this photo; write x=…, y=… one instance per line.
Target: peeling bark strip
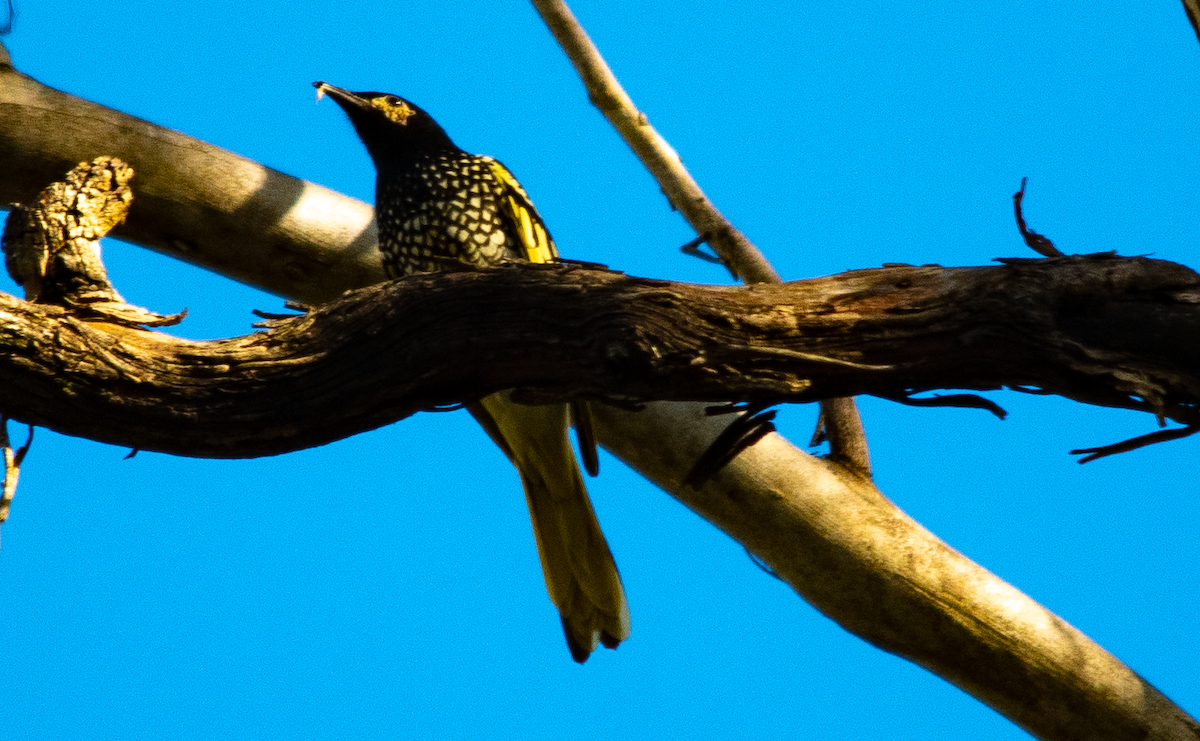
x=1098, y=329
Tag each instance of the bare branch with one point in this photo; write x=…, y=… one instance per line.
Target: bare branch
x=852, y=554
x=606, y=93
x=1036, y=242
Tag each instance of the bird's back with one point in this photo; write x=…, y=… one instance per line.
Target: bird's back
x=442, y=208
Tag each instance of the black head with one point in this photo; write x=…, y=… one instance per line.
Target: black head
x=391, y=127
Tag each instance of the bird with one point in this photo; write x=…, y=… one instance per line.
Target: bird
x=438, y=207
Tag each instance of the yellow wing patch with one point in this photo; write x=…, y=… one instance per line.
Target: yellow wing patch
x=536, y=243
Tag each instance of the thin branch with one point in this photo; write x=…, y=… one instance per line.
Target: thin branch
x=753, y=423
x=743, y=259
x=12, y=467
x=953, y=401
x=1160, y=436
x=684, y=193
x=1036, y=242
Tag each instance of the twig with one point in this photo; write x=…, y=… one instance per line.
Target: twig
x=1036, y=242
x=692, y=249
x=755, y=423
x=12, y=466
x=1162, y=436
x=955, y=401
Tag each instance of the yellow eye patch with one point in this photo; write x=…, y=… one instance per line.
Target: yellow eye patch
x=399, y=111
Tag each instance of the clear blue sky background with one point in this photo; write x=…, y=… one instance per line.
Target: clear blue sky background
x=387, y=586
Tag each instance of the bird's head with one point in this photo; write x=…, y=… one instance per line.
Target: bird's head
x=390, y=126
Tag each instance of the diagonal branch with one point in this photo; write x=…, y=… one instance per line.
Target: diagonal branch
x=684, y=193
x=840, y=419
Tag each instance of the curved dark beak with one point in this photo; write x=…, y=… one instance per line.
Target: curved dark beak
x=341, y=97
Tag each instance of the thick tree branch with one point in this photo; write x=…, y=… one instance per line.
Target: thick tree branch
x=1103, y=330
x=834, y=538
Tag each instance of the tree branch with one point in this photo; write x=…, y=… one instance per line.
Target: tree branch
x=744, y=260
x=1101, y=330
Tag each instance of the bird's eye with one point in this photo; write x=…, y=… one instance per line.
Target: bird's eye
x=395, y=109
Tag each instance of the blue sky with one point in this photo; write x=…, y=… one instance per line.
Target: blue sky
x=387, y=585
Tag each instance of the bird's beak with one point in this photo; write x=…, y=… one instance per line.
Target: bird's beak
x=342, y=97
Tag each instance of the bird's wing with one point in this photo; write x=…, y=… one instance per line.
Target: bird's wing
x=535, y=242
x=536, y=245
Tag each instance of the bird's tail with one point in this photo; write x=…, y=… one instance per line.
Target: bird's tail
x=581, y=575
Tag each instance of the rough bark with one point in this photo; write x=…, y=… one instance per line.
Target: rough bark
x=1099, y=329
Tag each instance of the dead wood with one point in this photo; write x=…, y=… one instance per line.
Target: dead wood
x=1099, y=329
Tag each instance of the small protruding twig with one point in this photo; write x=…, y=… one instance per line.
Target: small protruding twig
x=957, y=401
x=12, y=467
x=692, y=249
x=271, y=319
x=753, y=425
x=445, y=408
x=1036, y=242
x=1031, y=390
x=1162, y=436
